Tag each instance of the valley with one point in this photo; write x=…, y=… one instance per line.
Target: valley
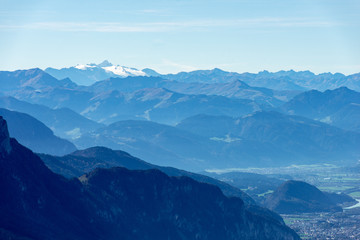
x=329, y=178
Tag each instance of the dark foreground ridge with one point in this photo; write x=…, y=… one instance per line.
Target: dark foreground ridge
x=83, y=161
x=117, y=203
x=80, y=162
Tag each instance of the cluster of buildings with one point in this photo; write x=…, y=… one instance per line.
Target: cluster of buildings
x=339, y=226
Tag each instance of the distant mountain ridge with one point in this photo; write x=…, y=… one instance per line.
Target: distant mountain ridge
x=235, y=89
x=140, y=97
x=32, y=79
x=87, y=74
x=339, y=107
x=153, y=142
x=163, y=106
x=281, y=80
x=272, y=135
x=203, y=141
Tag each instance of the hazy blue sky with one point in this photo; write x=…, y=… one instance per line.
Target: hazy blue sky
x=171, y=36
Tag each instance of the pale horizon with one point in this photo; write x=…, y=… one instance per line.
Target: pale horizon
x=189, y=70
x=173, y=36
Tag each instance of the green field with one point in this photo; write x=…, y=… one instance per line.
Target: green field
x=265, y=193
x=355, y=194
x=290, y=220
x=335, y=188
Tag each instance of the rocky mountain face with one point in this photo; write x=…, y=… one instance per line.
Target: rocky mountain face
x=34, y=134
x=339, y=107
x=118, y=203
x=300, y=197
x=5, y=146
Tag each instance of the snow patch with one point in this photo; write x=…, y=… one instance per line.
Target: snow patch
x=146, y=115
x=91, y=108
x=326, y=120
x=74, y=134
x=226, y=139
x=182, y=99
x=115, y=69
x=124, y=71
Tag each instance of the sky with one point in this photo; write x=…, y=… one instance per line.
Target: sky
x=183, y=35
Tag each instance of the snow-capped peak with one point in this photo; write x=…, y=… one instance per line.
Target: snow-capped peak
x=87, y=74
x=124, y=71
x=118, y=70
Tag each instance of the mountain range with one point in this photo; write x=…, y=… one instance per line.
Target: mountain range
x=339, y=107
x=199, y=142
x=34, y=79
x=212, y=121
x=236, y=89
x=203, y=141
x=117, y=203
x=86, y=74
x=110, y=100
x=161, y=105
x=137, y=128
x=271, y=138
x=281, y=80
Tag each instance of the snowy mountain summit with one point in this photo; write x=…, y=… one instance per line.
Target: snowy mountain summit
x=87, y=74
x=118, y=70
